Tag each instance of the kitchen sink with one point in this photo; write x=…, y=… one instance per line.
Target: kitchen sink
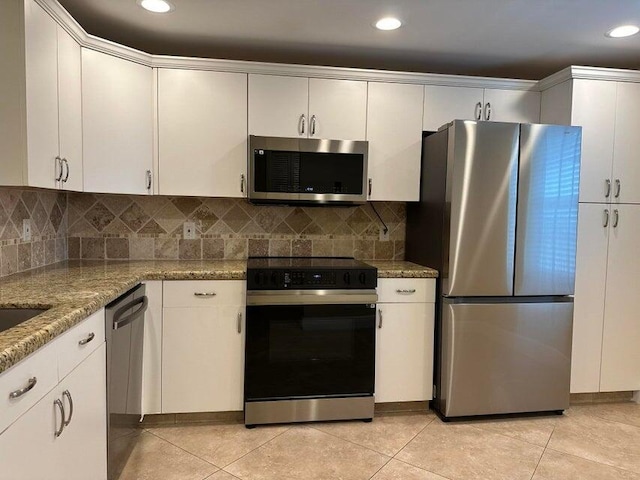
x=10, y=317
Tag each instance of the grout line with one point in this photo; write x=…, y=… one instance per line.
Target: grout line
x=414, y=437
x=422, y=468
x=593, y=461
x=348, y=441
x=256, y=448
x=186, y=451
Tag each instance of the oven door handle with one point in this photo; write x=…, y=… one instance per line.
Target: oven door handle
x=311, y=297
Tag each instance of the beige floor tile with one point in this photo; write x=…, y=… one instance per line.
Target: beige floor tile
x=466, y=452
x=386, y=434
x=536, y=430
x=306, y=453
x=152, y=458
x=218, y=444
x=628, y=412
x=600, y=440
x=222, y=475
x=559, y=466
x=396, y=470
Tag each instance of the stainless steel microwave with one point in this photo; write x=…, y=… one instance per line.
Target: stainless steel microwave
x=307, y=171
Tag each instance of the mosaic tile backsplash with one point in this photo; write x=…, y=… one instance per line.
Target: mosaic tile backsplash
x=151, y=227
x=47, y=210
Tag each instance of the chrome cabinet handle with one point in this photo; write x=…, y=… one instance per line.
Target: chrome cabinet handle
x=149, y=179
x=313, y=125
x=204, y=294
x=478, y=110
x=59, y=404
x=380, y=318
x=68, y=420
x=242, y=183
x=84, y=341
x=487, y=111
x=617, y=194
x=615, y=218
x=606, y=218
x=302, y=122
x=406, y=291
x=59, y=165
x=607, y=188
x=370, y=186
x=21, y=391
x=239, y=322
x=66, y=165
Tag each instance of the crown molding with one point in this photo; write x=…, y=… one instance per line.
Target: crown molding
x=589, y=73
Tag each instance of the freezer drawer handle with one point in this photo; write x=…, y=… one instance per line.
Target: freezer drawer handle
x=204, y=294
x=90, y=337
x=406, y=291
x=21, y=391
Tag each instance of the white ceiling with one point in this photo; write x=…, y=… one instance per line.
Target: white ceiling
x=506, y=38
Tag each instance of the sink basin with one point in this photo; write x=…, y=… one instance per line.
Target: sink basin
x=10, y=317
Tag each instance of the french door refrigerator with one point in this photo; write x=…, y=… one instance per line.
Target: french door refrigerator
x=498, y=218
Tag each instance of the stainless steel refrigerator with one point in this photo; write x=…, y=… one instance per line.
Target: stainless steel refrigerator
x=498, y=218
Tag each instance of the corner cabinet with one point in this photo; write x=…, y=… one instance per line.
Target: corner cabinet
x=404, y=340
x=117, y=124
x=202, y=133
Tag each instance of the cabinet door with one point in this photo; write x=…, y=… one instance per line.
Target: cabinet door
x=117, y=103
x=511, y=106
x=202, y=133
x=588, y=313
x=278, y=106
x=394, y=131
x=202, y=359
x=594, y=109
x=337, y=109
x=444, y=104
x=152, y=351
x=70, y=109
x=42, y=96
x=83, y=444
x=404, y=352
x=626, y=164
x=621, y=335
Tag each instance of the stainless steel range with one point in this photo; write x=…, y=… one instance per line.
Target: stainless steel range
x=310, y=340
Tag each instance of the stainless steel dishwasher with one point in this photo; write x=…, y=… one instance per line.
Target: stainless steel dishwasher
x=125, y=336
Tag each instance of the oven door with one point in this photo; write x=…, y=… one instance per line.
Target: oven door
x=309, y=350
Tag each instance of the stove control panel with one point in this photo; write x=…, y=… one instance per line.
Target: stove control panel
x=284, y=279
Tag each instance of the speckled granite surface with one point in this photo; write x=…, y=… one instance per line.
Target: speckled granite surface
x=73, y=290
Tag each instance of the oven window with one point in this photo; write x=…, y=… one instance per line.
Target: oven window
x=314, y=350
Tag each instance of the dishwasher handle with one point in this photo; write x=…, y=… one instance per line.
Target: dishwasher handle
x=119, y=321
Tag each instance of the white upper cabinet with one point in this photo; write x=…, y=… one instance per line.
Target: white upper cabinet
x=517, y=106
x=444, y=104
x=626, y=164
x=307, y=108
x=394, y=132
x=202, y=133
x=117, y=122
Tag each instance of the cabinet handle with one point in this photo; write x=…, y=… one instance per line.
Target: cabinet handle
x=204, y=294
x=617, y=182
x=607, y=188
x=615, y=218
x=370, y=186
x=302, y=122
x=68, y=420
x=59, y=166
x=406, y=291
x=239, y=322
x=59, y=404
x=149, y=179
x=242, y=183
x=606, y=218
x=379, y=318
x=21, y=391
x=66, y=165
x=84, y=341
x=478, y=110
x=487, y=111
x=313, y=125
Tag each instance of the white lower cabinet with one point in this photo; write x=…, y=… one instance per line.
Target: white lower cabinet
x=203, y=346
x=404, y=344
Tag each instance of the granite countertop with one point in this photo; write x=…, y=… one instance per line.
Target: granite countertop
x=73, y=290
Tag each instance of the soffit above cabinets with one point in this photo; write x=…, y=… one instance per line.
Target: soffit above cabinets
x=516, y=38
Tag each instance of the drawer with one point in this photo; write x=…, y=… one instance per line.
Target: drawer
x=41, y=366
x=79, y=342
x=406, y=290
x=203, y=293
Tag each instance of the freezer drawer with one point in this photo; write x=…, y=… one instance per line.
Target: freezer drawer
x=504, y=357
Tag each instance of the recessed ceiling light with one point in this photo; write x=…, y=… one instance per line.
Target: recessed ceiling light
x=623, y=31
x=156, y=6
x=388, y=23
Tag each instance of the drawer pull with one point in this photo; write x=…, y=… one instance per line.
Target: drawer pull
x=406, y=291
x=380, y=317
x=204, y=294
x=90, y=337
x=18, y=393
